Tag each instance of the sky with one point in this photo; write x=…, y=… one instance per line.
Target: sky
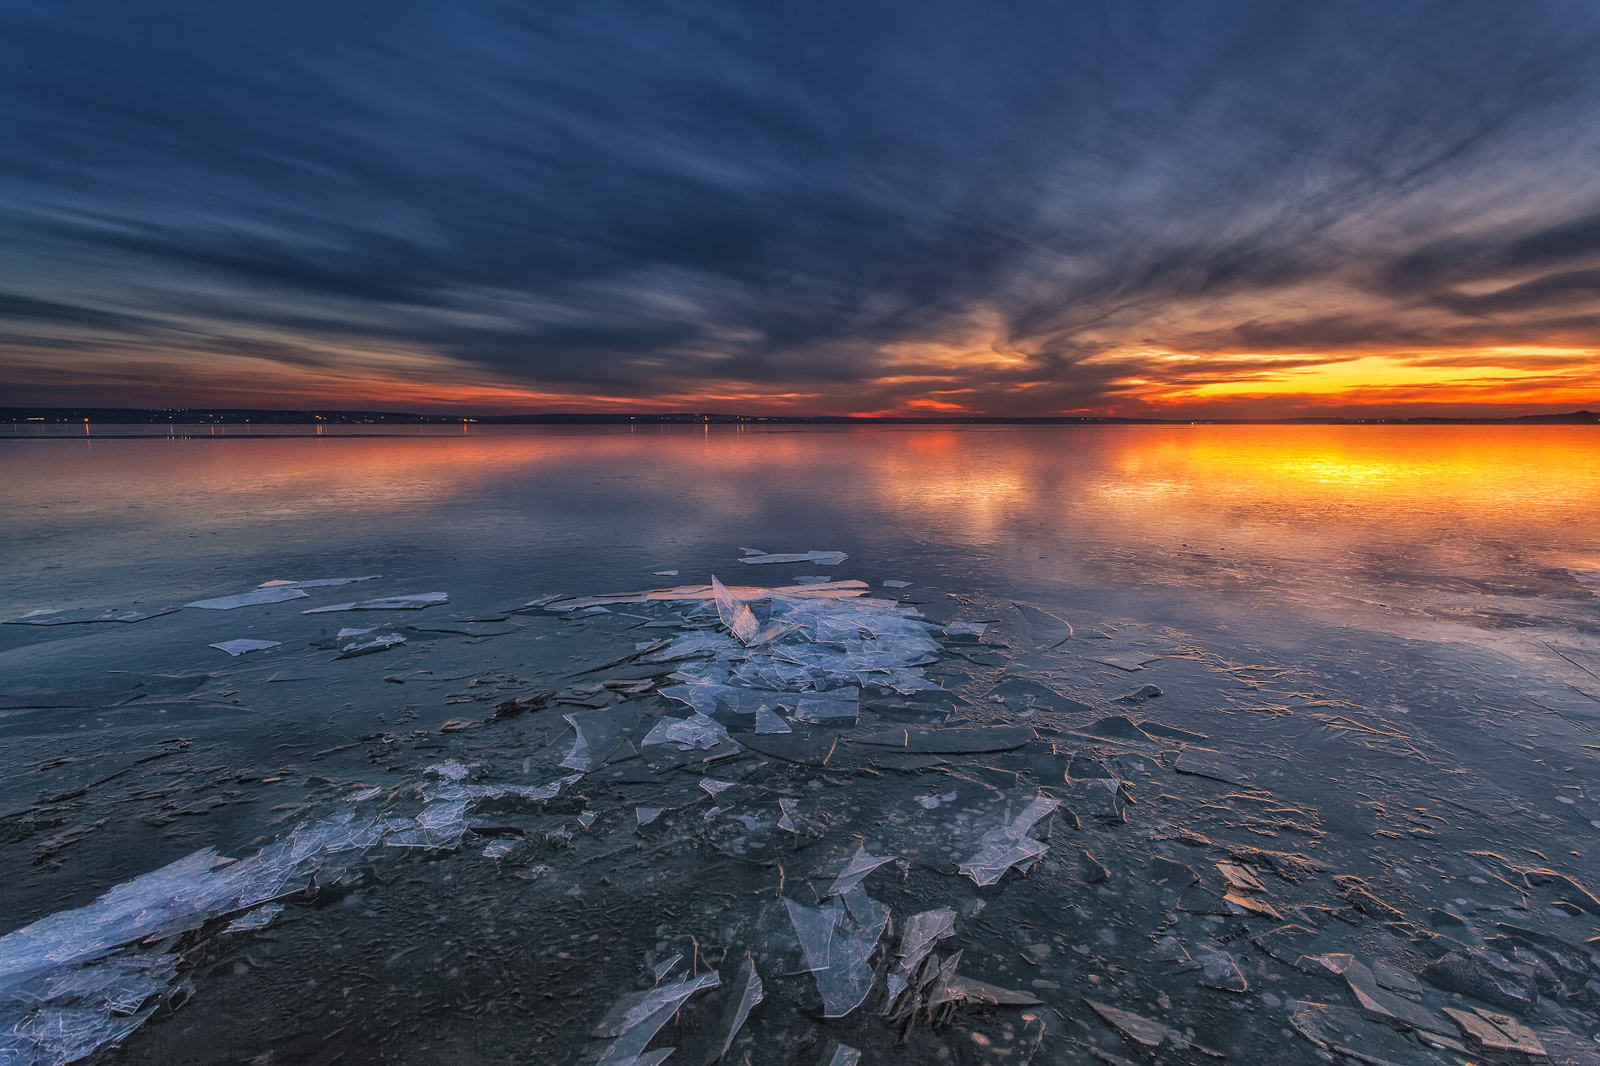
x=1183, y=209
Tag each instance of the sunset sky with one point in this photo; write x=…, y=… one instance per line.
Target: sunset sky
x=1161, y=210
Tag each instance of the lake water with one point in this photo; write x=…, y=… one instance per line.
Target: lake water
x=1377, y=651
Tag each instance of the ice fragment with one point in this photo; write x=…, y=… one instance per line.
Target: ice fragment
x=412, y=602
x=748, y=983
x=860, y=865
x=256, y=919
x=818, y=558
x=838, y=939
x=1009, y=846
x=248, y=599
x=239, y=647
x=768, y=721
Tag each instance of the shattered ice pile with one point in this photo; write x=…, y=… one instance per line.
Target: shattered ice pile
x=78, y=979
x=808, y=657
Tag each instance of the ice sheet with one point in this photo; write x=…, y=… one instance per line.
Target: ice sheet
x=815, y=557
x=239, y=647
x=275, y=594
x=411, y=602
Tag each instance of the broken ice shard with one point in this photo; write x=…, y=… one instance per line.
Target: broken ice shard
x=696, y=731
x=1009, y=846
x=860, y=865
x=748, y=985
x=276, y=594
x=635, y=1019
x=819, y=558
x=966, y=629
x=239, y=647
x=786, y=809
x=769, y=721
x=837, y=940
x=321, y=582
x=577, y=756
x=845, y=1056
x=739, y=619
x=922, y=932
x=412, y=602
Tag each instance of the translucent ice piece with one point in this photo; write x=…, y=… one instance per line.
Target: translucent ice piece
x=860, y=865
x=646, y=815
x=249, y=599
x=838, y=940
x=370, y=645
x=256, y=919
x=665, y=967
x=787, y=807
x=966, y=629
x=768, y=721
x=1009, y=846
x=845, y=1056
x=635, y=1008
x=733, y=612
x=412, y=602
x=696, y=731
x=922, y=932
x=497, y=848
x=748, y=984
x=577, y=756
x=714, y=786
x=897, y=584
x=239, y=647
x=817, y=710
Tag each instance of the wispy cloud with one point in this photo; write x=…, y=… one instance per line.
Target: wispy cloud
x=880, y=208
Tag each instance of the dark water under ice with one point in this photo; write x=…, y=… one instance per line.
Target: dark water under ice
x=1377, y=651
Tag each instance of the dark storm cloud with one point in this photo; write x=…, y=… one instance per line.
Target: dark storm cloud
x=639, y=199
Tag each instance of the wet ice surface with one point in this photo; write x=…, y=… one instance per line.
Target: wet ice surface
x=553, y=835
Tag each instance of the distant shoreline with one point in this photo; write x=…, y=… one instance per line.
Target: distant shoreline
x=197, y=417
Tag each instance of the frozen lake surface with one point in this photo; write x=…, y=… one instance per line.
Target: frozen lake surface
x=1178, y=744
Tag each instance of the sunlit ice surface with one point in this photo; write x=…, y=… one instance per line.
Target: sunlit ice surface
x=1375, y=648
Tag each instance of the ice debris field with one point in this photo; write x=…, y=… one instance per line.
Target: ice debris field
x=816, y=822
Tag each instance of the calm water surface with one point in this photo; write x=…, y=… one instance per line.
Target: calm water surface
x=1384, y=632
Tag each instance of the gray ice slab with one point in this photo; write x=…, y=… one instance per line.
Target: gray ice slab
x=79, y=616
x=275, y=594
x=1202, y=763
x=814, y=557
x=412, y=602
x=321, y=582
x=768, y=722
x=239, y=647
